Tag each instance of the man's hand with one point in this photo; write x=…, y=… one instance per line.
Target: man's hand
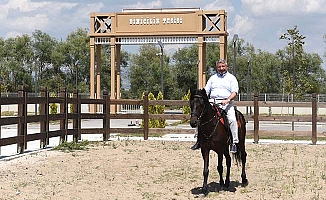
x=225, y=101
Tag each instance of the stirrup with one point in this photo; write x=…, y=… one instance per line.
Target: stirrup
x=233, y=148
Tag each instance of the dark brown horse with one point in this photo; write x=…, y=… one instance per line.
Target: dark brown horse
x=214, y=135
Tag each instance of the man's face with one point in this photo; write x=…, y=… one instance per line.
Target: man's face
x=221, y=68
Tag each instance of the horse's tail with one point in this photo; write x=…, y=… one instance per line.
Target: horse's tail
x=240, y=155
x=241, y=123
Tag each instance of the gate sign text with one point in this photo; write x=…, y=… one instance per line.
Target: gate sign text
x=155, y=20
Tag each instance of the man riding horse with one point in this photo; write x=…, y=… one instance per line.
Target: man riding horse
x=222, y=89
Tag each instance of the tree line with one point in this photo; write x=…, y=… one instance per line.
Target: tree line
x=41, y=60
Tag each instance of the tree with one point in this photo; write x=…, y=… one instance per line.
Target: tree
x=185, y=70
x=43, y=46
x=294, y=53
x=313, y=75
x=308, y=76
x=324, y=36
x=16, y=56
x=72, y=59
x=79, y=54
x=266, y=72
x=3, y=69
x=145, y=72
x=106, y=68
x=244, y=51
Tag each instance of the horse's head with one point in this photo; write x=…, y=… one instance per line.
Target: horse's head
x=198, y=103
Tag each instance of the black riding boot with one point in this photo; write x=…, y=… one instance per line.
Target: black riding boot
x=196, y=146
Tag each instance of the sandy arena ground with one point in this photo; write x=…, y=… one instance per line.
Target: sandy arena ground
x=129, y=169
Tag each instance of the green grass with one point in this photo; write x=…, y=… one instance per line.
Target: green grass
x=8, y=113
x=286, y=138
x=139, y=135
x=247, y=137
x=72, y=146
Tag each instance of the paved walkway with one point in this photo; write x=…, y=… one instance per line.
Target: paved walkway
x=9, y=151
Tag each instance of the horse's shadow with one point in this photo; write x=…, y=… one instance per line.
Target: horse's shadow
x=215, y=187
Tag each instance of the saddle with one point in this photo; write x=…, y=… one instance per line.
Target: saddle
x=223, y=119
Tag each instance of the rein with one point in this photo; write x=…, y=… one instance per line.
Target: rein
x=215, y=126
x=207, y=122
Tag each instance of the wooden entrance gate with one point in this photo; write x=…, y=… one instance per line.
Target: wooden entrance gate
x=152, y=26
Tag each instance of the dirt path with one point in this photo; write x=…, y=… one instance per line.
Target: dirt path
x=162, y=170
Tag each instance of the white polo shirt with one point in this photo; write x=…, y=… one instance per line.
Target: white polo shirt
x=221, y=86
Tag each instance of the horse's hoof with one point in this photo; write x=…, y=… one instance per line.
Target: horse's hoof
x=226, y=184
x=202, y=195
x=244, y=182
x=222, y=191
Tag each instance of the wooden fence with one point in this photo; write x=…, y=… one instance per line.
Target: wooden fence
x=44, y=117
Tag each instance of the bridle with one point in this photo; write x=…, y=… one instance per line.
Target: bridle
x=210, y=120
x=202, y=111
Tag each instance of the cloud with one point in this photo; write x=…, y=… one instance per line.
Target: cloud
x=4, y=10
x=243, y=25
x=206, y=4
x=181, y=3
x=12, y=34
x=27, y=6
x=25, y=16
x=24, y=23
x=220, y=5
x=150, y=4
x=84, y=11
x=265, y=7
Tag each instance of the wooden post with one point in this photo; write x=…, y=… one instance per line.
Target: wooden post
x=256, y=121
x=106, y=112
x=314, y=119
x=98, y=75
x=67, y=113
x=146, y=115
x=201, y=55
x=113, y=94
x=43, y=115
x=76, y=116
x=22, y=123
x=47, y=112
x=92, y=66
x=0, y=118
x=79, y=116
x=63, y=110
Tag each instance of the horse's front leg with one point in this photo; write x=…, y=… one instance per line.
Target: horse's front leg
x=205, y=154
x=228, y=168
x=220, y=168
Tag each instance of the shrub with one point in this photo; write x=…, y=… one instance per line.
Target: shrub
x=155, y=109
x=53, y=106
x=186, y=109
x=160, y=110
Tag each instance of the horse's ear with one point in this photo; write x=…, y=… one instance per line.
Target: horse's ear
x=192, y=92
x=203, y=92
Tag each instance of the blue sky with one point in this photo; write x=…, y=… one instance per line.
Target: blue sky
x=259, y=22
